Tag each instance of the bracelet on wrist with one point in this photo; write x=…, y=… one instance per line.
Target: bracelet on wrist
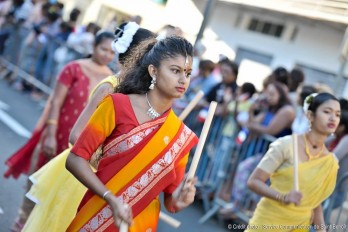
x=278, y=196
x=106, y=193
x=281, y=198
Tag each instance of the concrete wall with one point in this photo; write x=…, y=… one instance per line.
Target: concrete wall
x=314, y=44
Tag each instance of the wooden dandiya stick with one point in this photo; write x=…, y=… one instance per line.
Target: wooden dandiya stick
x=123, y=227
x=295, y=154
x=202, y=138
x=169, y=220
x=200, y=145
x=164, y=217
x=191, y=105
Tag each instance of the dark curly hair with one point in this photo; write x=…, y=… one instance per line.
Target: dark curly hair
x=135, y=76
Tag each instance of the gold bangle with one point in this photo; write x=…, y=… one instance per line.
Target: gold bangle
x=52, y=122
x=278, y=196
x=281, y=198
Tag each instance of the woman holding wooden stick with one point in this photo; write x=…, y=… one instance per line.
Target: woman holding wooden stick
x=145, y=145
x=282, y=207
x=57, y=193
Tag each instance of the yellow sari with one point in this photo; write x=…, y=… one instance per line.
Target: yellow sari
x=317, y=179
x=56, y=192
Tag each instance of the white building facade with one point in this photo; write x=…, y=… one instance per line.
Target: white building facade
x=273, y=33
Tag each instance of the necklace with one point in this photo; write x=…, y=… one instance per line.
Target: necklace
x=308, y=152
x=151, y=112
x=313, y=145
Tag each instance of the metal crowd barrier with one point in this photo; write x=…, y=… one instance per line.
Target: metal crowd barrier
x=226, y=176
x=24, y=75
x=212, y=157
x=211, y=145
x=337, y=219
x=20, y=60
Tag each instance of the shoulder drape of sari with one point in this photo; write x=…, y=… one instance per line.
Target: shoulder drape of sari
x=136, y=167
x=317, y=180
x=113, y=80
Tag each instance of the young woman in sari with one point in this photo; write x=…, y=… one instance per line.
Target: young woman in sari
x=274, y=120
x=55, y=191
x=70, y=95
x=282, y=208
x=145, y=145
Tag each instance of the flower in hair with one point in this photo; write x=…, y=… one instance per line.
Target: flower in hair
x=308, y=101
x=122, y=43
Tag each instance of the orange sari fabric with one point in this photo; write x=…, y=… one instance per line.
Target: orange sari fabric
x=137, y=165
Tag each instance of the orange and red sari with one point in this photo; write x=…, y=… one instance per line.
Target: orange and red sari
x=139, y=162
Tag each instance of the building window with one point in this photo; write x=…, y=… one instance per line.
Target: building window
x=265, y=27
x=322, y=77
x=259, y=57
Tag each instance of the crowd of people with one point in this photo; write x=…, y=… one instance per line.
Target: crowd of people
x=116, y=141
x=40, y=38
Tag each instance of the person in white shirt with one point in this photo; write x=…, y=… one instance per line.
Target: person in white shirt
x=301, y=124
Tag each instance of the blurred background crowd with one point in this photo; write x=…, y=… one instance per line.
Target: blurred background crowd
x=39, y=37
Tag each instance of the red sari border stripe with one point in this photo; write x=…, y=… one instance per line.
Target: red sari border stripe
x=156, y=158
x=174, y=151
x=133, y=132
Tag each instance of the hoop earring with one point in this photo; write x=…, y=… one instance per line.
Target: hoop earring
x=153, y=83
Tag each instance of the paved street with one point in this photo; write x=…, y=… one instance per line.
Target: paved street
x=19, y=107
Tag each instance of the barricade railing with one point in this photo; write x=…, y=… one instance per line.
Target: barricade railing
x=24, y=75
x=211, y=145
x=336, y=219
x=210, y=160
x=226, y=176
x=20, y=60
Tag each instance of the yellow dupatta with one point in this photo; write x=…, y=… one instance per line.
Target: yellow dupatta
x=317, y=179
x=113, y=80
x=172, y=133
